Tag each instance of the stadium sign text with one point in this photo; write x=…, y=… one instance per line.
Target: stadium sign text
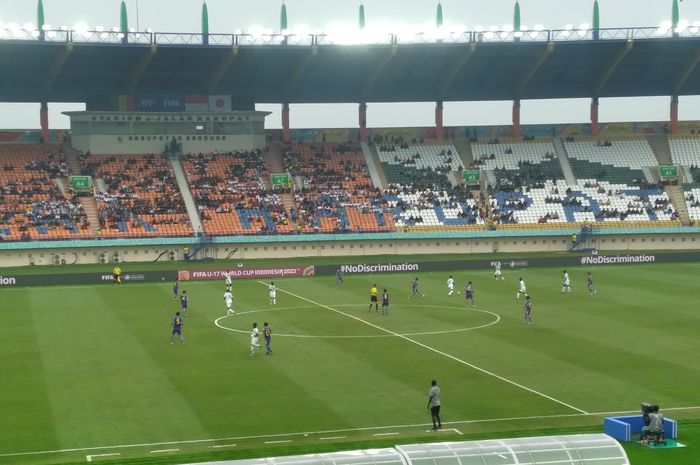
x=614, y=259
x=379, y=268
x=243, y=273
x=7, y=281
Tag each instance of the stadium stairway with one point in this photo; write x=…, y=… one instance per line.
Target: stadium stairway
x=274, y=162
x=186, y=195
x=564, y=161
x=464, y=148
x=374, y=165
x=661, y=148
x=675, y=194
x=288, y=201
x=90, y=207
x=72, y=155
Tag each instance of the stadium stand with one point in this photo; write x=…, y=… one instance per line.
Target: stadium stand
x=589, y=201
x=336, y=192
x=142, y=198
x=32, y=207
x=692, y=199
x=685, y=151
x=517, y=164
x=417, y=162
x=434, y=208
x=229, y=192
x=613, y=160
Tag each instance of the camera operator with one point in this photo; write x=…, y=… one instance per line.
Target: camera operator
x=655, y=425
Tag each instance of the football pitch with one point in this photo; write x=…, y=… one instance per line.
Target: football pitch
x=88, y=373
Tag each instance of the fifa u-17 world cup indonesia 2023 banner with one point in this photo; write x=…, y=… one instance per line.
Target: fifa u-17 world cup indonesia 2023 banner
x=247, y=273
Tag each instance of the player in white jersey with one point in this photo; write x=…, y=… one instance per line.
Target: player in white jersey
x=273, y=293
x=450, y=285
x=228, y=298
x=522, y=289
x=497, y=274
x=227, y=276
x=254, y=339
x=566, y=283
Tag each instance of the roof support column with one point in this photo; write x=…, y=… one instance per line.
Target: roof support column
x=363, y=122
x=673, y=128
x=439, y=129
x=595, y=128
x=516, y=119
x=44, y=121
x=286, y=135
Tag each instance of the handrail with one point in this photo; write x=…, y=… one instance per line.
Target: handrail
x=332, y=39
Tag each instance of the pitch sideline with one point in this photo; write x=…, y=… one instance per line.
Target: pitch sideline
x=367, y=428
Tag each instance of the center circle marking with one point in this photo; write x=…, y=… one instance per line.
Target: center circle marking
x=497, y=319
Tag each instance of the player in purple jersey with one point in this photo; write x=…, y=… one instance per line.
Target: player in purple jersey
x=267, y=333
x=177, y=323
x=414, y=289
x=184, y=302
x=469, y=293
x=528, y=310
x=591, y=289
x=176, y=288
x=385, y=302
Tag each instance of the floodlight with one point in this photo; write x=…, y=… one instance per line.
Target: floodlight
x=99, y=28
x=29, y=27
x=46, y=27
x=569, y=27
x=51, y=34
x=63, y=28
x=664, y=28
x=479, y=29
x=584, y=27
x=131, y=29
x=539, y=27
x=81, y=28
x=301, y=31
x=238, y=32
x=149, y=30
x=682, y=25
x=256, y=32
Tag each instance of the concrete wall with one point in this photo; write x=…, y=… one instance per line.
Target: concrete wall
x=349, y=248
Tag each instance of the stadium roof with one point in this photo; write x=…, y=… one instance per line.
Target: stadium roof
x=541, y=65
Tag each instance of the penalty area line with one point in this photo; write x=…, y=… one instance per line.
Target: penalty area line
x=432, y=349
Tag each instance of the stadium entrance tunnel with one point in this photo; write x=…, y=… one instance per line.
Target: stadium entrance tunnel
x=583, y=449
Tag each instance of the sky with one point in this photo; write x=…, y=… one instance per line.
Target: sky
x=226, y=16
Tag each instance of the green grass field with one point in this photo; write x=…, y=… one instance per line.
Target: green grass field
x=88, y=370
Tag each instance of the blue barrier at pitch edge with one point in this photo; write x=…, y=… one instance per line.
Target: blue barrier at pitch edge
x=623, y=427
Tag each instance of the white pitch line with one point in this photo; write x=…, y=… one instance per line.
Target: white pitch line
x=432, y=349
x=90, y=457
x=456, y=430
x=222, y=445
x=360, y=336
x=160, y=451
x=332, y=438
x=347, y=430
x=386, y=434
x=278, y=442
